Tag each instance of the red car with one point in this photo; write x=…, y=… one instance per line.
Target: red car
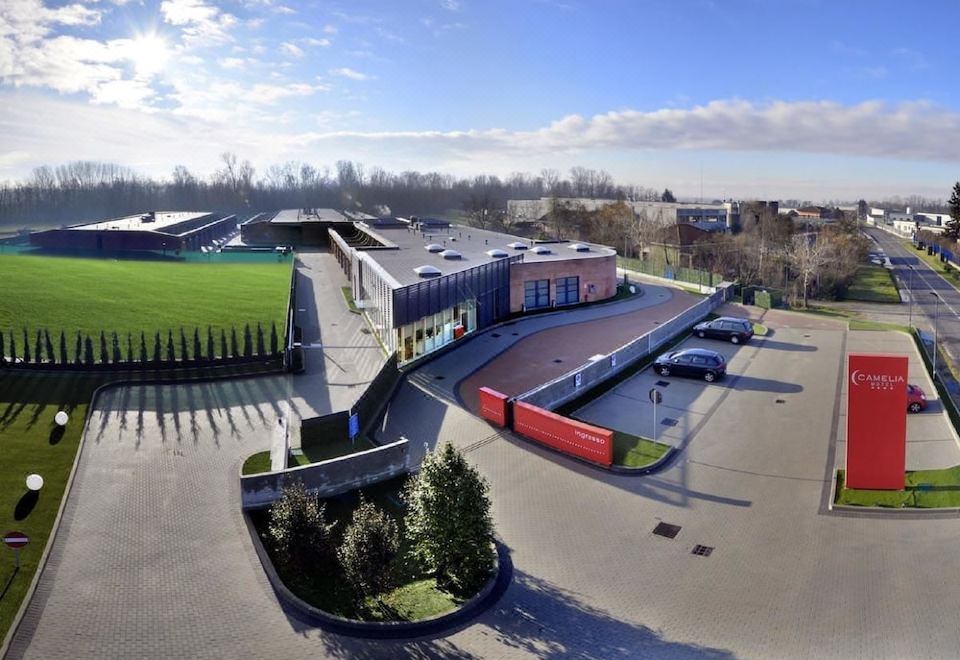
x=916, y=399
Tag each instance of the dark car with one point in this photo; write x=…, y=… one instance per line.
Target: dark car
x=695, y=362
x=916, y=399
x=727, y=328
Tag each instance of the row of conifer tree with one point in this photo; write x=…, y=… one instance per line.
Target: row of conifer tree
x=42, y=350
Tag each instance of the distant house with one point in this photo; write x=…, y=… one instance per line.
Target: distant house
x=676, y=244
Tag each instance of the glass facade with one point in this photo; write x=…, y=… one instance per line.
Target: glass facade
x=536, y=294
x=568, y=290
x=436, y=330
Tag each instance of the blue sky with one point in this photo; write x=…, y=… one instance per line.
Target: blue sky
x=811, y=99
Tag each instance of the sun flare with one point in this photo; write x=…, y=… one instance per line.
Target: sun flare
x=148, y=53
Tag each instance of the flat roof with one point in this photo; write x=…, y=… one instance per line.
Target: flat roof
x=293, y=216
x=136, y=223
x=410, y=250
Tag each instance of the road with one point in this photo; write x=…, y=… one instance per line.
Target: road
x=919, y=281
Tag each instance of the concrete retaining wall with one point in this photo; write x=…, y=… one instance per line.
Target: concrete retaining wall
x=572, y=384
x=329, y=478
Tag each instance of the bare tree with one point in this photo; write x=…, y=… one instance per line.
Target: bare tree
x=807, y=256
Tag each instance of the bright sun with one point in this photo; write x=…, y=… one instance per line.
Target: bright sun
x=149, y=53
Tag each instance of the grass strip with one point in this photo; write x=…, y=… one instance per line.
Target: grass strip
x=872, y=283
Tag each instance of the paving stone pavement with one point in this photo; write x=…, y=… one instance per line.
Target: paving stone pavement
x=154, y=559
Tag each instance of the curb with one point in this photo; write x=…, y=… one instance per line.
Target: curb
x=54, y=530
x=443, y=623
x=894, y=512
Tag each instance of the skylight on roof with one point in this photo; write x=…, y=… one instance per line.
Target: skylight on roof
x=497, y=253
x=541, y=249
x=450, y=254
x=517, y=245
x=433, y=247
x=579, y=247
x=427, y=271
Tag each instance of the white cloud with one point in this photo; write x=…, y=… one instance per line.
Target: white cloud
x=450, y=5
x=330, y=29
x=291, y=49
x=285, y=10
x=346, y=72
x=201, y=23
x=310, y=41
x=232, y=62
x=913, y=131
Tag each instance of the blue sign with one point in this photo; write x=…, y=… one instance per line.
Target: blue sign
x=354, y=426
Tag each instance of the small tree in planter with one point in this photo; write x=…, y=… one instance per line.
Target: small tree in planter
x=261, y=347
x=223, y=344
x=171, y=351
x=104, y=356
x=157, y=352
x=88, y=358
x=234, y=349
x=38, y=348
x=184, y=355
x=48, y=346
x=197, y=347
x=26, y=347
x=274, y=342
x=143, y=346
x=448, y=520
x=298, y=529
x=78, y=350
x=13, y=349
x=64, y=357
x=129, y=347
x=115, y=345
x=370, y=545
x=211, y=353
x=247, y=341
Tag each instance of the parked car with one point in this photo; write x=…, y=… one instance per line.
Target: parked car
x=695, y=362
x=727, y=328
x=916, y=399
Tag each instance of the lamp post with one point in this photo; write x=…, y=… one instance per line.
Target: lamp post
x=910, y=290
x=936, y=329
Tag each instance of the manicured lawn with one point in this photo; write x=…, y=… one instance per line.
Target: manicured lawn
x=933, y=260
x=633, y=451
x=30, y=442
x=313, y=452
x=873, y=283
x=924, y=489
x=94, y=295
x=416, y=596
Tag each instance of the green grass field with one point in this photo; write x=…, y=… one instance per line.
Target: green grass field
x=924, y=489
x=90, y=295
x=873, y=284
x=30, y=442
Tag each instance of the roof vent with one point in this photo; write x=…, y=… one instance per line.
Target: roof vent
x=497, y=253
x=541, y=249
x=450, y=254
x=433, y=247
x=517, y=245
x=579, y=247
x=427, y=271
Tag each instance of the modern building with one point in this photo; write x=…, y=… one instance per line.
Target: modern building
x=151, y=231
x=291, y=227
x=724, y=214
x=423, y=283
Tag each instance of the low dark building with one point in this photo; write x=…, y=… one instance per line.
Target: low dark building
x=152, y=231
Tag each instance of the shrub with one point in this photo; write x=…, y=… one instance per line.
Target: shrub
x=115, y=345
x=171, y=351
x=370, y=545
x=234, y=349
x=184, y=355
x=51, y=354
x=211, y=353
x=64, y=357
x=448, y=520
x=223, y=344
x=274, y=343
x=197, y=346
x=104, y=356
x=157, y=353
x=88, y=351
x=298, y=529
x=78, y=350
x=247, y=341
x=261, y=348
x=143, y=347
x=38, y=348
x=26, y=346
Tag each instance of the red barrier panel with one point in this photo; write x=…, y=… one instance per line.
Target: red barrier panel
x=567, y=435
x=876, y=421
x=493, y=406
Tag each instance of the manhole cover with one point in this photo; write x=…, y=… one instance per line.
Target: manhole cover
x=781, y=400
x=662, y=383
x=669, y=421
x=666, y=529
x=439, y=377
x=557, y=361
x=495, y=334
x=702, y=550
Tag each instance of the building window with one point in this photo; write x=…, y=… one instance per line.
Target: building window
x=536, y=293
x=568, y=290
